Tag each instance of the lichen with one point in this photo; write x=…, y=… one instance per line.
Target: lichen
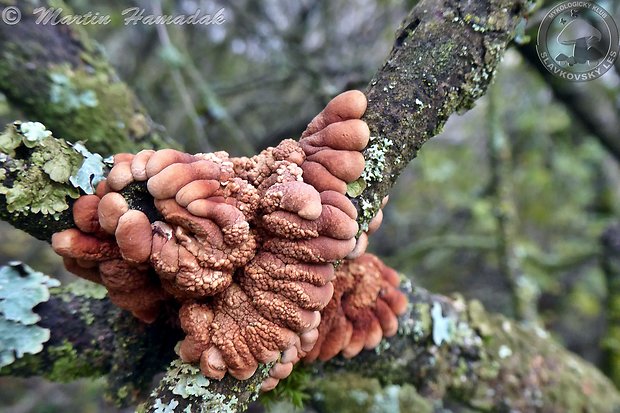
x=160, y=407
x=39, y=181
x=97, y=103
x=81, y=288
x=67, y=96
x=443, y=326
x=91, y=172
x=374, y=156
x=21, y=289
x=187, y=382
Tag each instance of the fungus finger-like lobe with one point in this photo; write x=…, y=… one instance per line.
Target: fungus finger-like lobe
x=332, y=223
x=344, y=165
x=198, y=189
x=349, y=136
x=73, y=243
x=375, y=223
x=321, y=178
x=85, y=213
x=297, y=197
x=138, y=164
x=347, y=105
x=123, y=157
x=134, y=236
x=360, y=246
x=120, y=176
x=163, y=158
x=166, y=183
x=332, y=144
x=111, y=207
x=360, y=314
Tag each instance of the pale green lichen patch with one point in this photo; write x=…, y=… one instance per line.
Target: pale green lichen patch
x=374, y=156
x=187, y=382
x=355, y=188
x=83, y=288
x=443, y=326
x=66, y=95
x=369, y=208
x=349, y=393
x=95, y=101
x=21, y=289
x=161, y=407
x=91, y=172
x=34, y=131
x=40, y=177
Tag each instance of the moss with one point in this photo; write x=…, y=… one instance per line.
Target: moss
x=67, y=365
x=85, y=96
x=292, y=389
x=349, y=393
x=81, y=288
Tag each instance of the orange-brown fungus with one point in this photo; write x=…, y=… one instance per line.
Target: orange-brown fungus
x=245, y=245
x=362, y=311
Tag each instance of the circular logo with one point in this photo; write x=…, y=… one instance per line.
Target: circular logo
x=578, y=41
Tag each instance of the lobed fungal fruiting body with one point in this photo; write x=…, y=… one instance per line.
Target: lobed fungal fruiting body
x=245, y=245
x=362, y=311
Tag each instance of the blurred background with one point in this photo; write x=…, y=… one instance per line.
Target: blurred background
x=507, y=205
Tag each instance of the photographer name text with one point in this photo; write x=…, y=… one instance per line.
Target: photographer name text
x=130, y=16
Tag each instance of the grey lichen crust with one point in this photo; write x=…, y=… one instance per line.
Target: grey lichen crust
x=21, y=289
x=184, y=389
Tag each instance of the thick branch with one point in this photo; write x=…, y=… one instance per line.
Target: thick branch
x=447, y=348
x=56, y=75
x=444, y=57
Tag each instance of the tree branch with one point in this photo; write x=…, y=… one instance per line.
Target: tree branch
x=59, y=76
x=446, y=347
x=444, y=57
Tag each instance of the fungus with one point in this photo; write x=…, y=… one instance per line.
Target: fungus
x=364, y=309
x=246, y=246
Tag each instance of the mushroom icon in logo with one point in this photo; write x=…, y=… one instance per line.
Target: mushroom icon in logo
x=585, y=40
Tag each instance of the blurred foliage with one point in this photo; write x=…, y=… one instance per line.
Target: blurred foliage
x=263, y=74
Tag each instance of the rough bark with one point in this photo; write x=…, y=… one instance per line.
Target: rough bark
x=443, y=59
x=446, y=347
x=56, y=74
